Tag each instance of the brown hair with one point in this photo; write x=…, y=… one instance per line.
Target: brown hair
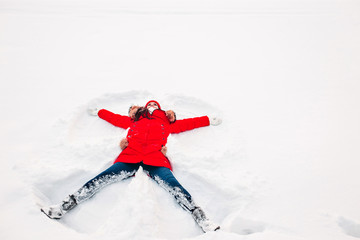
x=142, y=112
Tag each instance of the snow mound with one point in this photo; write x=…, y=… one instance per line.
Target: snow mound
x=350, y=227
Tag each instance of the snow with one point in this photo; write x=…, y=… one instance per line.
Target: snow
x=282, y=75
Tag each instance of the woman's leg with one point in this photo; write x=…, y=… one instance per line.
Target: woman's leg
x=165, y=178
x=117, y=172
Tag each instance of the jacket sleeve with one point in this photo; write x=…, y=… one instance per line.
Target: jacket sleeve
x=115, y=119
x=188, y=124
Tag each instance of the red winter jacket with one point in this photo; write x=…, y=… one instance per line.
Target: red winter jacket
x=147, y=136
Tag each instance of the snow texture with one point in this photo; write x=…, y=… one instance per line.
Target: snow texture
x=282, y=75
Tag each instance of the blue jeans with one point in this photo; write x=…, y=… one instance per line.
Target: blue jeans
x=120, y=171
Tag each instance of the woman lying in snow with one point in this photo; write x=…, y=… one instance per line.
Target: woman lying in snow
x=145, y=146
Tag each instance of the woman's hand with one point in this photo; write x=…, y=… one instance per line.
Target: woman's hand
x=215, y=121
x=170, y=115
x=132, y=111
x=93, y=111
x=124, y=143
x=164, y=150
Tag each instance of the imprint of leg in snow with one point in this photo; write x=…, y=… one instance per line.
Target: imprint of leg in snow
x=350, y=227
x=55, y=188
x=90, y=216
x=243, y=226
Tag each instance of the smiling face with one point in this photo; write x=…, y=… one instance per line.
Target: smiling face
x=152, y=105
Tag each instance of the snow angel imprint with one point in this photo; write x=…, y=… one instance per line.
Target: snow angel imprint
x=145, y=146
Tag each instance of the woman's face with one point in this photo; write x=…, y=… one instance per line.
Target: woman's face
x=152, y=105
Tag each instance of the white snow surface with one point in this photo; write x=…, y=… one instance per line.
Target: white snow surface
x=282, y=75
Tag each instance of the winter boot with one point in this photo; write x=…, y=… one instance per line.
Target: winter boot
x=205, y=224
x=57, y=211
